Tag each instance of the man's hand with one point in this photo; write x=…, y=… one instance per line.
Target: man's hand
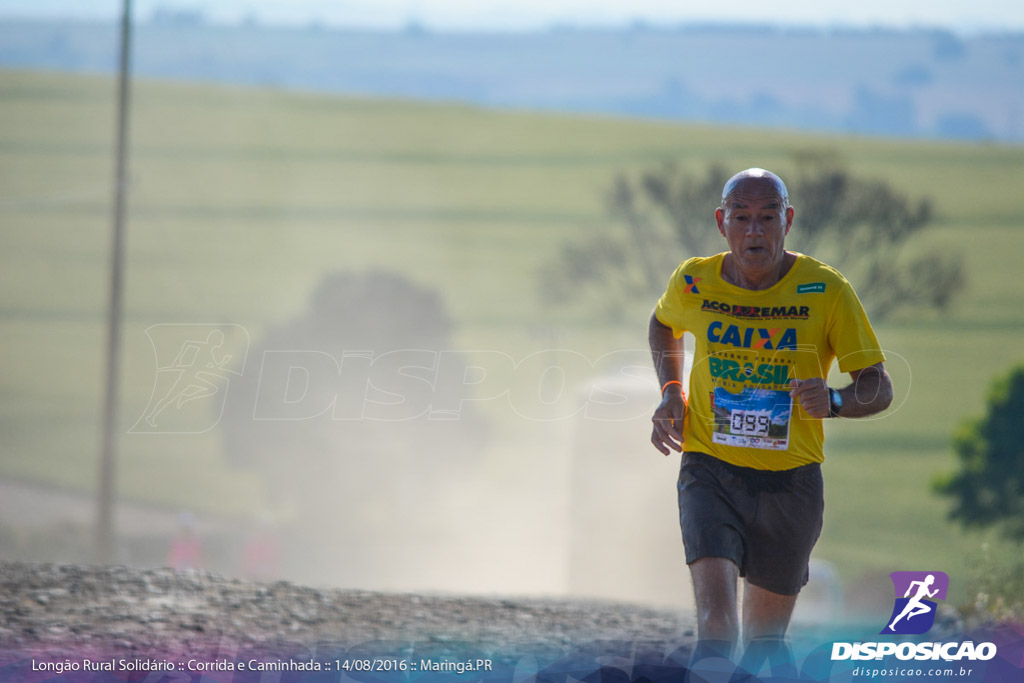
x=813, y=396
x=668, y=421
x=668, y=355
x=870, y=393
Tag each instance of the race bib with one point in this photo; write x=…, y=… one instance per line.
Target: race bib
x=753, y=418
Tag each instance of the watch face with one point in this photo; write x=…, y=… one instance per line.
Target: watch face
x=835, y=402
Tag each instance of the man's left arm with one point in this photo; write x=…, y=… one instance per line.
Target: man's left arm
x=868, y=394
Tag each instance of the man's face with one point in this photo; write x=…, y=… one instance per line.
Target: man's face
x=754, y=220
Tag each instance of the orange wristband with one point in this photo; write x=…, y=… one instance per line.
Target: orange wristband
x=671, y=381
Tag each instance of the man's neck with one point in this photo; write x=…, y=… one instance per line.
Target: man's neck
x=760, y=279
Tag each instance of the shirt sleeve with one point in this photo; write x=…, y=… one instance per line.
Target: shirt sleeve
x=850, y=335
x=670, y=310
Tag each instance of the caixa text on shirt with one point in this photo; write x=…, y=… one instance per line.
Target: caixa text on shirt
x=774, y=338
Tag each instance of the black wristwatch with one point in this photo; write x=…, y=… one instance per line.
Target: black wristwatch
x=835, y=402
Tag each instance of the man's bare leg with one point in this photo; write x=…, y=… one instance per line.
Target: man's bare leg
x=714, y=591
x=766, y=617
x=765, y=614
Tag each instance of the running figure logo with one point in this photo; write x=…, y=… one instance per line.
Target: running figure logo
x=193, y=363
x=914, y=613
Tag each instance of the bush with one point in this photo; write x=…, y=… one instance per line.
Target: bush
x=988, y=489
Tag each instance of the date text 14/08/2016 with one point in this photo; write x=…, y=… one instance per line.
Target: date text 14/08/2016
x=458, y=667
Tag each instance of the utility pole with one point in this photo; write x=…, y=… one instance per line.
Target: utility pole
x=105, y=493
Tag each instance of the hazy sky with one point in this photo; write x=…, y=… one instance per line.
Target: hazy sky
x=957, y=15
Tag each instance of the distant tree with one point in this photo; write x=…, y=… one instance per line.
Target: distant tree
x=389, y=320
x=336, y=411
x=988, y=488
x=862, y=226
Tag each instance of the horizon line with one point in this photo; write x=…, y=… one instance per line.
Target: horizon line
x=413, y=25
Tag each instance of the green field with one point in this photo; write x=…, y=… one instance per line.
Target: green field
x=242, y=200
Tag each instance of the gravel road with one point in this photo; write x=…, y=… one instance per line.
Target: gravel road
x=60, y=623
x=51, y=610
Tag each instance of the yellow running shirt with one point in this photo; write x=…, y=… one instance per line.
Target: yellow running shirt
x=750, y=344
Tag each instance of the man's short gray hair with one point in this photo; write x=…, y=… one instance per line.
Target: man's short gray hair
x=751, y=173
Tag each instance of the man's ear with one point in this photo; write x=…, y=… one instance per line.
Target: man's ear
x=789, y=218
x=720, y=220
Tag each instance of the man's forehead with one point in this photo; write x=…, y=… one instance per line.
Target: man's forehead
x=761, y=192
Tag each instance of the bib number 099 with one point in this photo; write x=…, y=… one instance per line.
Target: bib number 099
x=750, y=422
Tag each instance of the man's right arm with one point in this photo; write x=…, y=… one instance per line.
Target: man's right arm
x=667, y=353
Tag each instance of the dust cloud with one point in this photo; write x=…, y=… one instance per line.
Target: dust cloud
x=393, y=460
x=389, y=458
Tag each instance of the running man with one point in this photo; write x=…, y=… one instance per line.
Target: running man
x=768, y=325
x=914, y=606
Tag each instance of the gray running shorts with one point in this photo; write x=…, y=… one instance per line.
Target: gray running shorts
x=766, y=522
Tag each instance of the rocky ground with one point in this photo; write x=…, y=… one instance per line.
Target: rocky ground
x=54, y=609
x=67, y=615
